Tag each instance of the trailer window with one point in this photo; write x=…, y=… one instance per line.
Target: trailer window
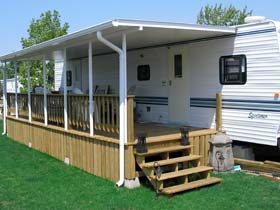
x=233, y=70
x=143, y=72
x=178, y=67
x=69, y=78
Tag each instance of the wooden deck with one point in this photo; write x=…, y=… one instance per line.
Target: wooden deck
x=152, y=130
x=99, y=154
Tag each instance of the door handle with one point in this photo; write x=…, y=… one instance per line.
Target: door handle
x=170, y=82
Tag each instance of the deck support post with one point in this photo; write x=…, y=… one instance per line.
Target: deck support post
x=45, y=92
x=65, y=90
x=4, y=100
x=218, y=111
x=28, y=92
x=16, y=90
x=90, y=88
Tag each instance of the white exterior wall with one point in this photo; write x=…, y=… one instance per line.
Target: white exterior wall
x=151, y=96
x=58, y=75
x=251, y=112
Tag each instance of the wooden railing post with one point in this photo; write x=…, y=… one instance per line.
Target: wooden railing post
x=218, y=111
x=130, y=118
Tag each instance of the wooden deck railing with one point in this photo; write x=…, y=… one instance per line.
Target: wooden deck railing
x=37, y=107
x=22, y=104
x=11, y=102
x=55, y=109
x=106, y=111
x=78, y=113
x=106, y=114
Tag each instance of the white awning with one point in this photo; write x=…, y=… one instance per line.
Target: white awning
x=152, y=34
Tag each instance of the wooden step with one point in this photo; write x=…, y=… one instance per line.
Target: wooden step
x=190, y=185
x=183, y=172
x=164, y=149
x=171, y=161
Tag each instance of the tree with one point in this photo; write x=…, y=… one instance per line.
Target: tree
x=222, y=16
x=9, y=70
x=47, y=27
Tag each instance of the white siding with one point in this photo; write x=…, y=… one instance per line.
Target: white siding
x=263, y=80
x=58, y=75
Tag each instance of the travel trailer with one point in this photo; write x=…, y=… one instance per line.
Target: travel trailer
x=129, y=90
x=176, y=82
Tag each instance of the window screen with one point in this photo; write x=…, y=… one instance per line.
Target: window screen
x=143, y=72
x=178, y=67
x=233, y=70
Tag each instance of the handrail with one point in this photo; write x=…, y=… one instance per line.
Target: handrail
x=106, y=111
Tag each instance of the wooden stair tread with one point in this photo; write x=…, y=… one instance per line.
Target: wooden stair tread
x=191, y=185
x=163, y=138
x=164, y=149
x=171, y=161
x=183, y=172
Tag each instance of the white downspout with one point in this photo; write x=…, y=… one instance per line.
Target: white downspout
x=122, y=98
x=4, y=100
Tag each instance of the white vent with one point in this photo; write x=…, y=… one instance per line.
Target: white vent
x=254, y=19
x=67, y=160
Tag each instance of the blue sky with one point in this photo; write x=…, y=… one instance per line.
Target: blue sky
x=15, y=15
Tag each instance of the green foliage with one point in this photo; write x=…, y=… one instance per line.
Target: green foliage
x=1, y=89
x=47, y=27
x=36, y=75
x=10, y=71
x=222, y=16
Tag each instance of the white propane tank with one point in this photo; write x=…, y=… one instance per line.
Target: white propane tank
x=254, y=19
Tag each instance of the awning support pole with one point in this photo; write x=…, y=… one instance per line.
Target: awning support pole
x=29, y=92
x=124, y=84
x=45, y=93
x=65, y=90
x=16, y=90
x=90, y=89
x=4, y=100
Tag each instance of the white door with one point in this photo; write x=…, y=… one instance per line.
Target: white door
x=178, y=100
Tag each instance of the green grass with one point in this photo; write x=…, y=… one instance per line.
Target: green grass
x=32, y=180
